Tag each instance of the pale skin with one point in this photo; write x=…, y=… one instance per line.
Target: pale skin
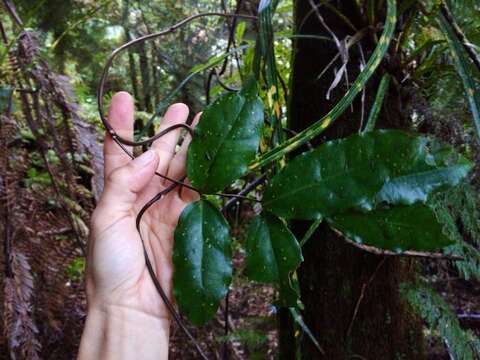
x=126, y=318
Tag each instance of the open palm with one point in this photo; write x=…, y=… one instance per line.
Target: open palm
x=116, y=270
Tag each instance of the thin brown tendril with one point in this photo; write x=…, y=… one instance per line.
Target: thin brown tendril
x=123, y=143
x=150, y=140
x=179, y=182
x=171, y=309
x=171, y=29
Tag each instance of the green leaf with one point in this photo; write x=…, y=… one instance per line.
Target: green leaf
x=203, y=261
x=225, y=140
x=435, y=166
x=240, y=31
x=297, y=316
x=361, y=171
x=322, y=124
x=212, y=61
x=399, y=228
x=464, y=69
x=378, y=103
x=272, y=254
x=442, y=320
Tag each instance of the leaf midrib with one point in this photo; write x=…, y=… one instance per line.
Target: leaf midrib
x=398, y=178
x=202, y=282
x=223, y=139
x=277, y=272
x=309, y=186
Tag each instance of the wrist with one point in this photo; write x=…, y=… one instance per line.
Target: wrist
x=118, y=332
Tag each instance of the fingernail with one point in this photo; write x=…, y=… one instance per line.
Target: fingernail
x=145, y=158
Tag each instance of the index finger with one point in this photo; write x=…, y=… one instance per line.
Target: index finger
x=120, y=117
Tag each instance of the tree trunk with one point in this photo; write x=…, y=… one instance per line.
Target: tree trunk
x=131, y=58
x=145, y=76
x=352, y=301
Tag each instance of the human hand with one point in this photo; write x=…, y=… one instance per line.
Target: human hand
x=120, y=292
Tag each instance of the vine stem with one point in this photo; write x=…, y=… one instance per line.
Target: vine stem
x=171, y=309
x=362, y=295
x=322, y=124
x=117, y=51
x=123, y=143
x=250, y=187
x=180, y=182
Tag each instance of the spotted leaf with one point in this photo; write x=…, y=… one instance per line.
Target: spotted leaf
x=226, y=140
x=203, y=261
x=399, y=228
x=362, y=171
x=273, y=254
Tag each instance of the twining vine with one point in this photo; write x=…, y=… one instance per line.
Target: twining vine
x=122, y=142
x=391, y=174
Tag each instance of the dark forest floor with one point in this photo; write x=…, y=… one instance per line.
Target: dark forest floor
x=252, y=318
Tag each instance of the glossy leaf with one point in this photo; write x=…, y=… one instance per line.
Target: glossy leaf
x=203, y=261
x=433, y=166
x=399, y=228
x=226, y=140
x=272, y=254
x=361, y=171
x=197, y=69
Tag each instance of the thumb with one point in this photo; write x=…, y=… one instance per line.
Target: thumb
x=125, y=183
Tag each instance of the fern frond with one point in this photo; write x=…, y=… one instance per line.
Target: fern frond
x=442, y=320
x=457, y=209
x=20, y=326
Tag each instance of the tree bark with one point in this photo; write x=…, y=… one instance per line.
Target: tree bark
x=131, y=58
x=145, y=76
x=352, y=301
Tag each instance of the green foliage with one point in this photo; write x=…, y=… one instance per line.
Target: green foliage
x=441, y=70
x=76, y=268
x=465, y=70
x=265, y=66
x=251, y=338
x=297, y=317
x=339, y=108
x=203, y=261
x=442, y=320
x=378, y=103
x=226, y=140
x=197, y=69
x=37, y=177
x=360, y=172
x=398, y=228
x=371, y=187
x=273, y=254
x=457, y=210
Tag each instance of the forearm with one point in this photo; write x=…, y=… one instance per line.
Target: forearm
x=119, y=333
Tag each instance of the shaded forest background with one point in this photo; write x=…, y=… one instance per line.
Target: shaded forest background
x=51, y=165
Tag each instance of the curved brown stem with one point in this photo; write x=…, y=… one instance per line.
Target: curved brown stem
x=116, y=52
